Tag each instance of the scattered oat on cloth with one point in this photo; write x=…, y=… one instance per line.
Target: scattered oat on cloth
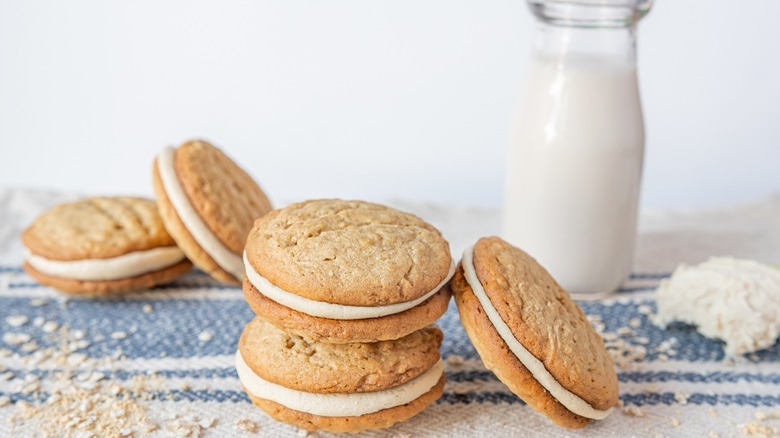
x=161, y=362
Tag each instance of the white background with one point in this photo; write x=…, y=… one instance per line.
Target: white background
x=364, y=99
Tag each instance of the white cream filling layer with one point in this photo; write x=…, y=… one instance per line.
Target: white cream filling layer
x=330, y=310
x=114, y=268
x=569, y=400
x=338, y=405
x=205, y=238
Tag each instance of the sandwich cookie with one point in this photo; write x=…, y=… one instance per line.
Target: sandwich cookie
x=530, y=333
x=346, y=271
x=208, y=204
x=339, y=387
x=102, y=245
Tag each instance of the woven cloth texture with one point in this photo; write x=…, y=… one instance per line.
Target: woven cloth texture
x=682, y=385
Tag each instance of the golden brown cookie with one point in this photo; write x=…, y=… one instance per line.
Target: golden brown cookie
x=208, y=204
x=102, y=288
x=306, y=365
x=102, y=245
x=545, y=321
x=351, y=253
x=367, y=385
x=97, y=228
x=377, y=420
x=345, y=331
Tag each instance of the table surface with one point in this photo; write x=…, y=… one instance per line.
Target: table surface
x=172, y=347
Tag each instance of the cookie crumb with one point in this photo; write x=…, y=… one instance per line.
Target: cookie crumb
x=757, y=429
x=712, y=412
x=667, y=346
x=675, y=422
x=50, y=327
x=38, y=302
x=207, y=423
x=762, y=416
x=635, y=322
x=623, y=353
x=118, y=335
x=634, y=411
x=184, y=427
x=644, y=309
x=625, y=331
x=16, y=320
x=713, y=434
x=16, y=338
x=681, y=397
x=246, y=425
x=76, y=359
x=206, y=336
x=760, y=429
x=4, y=401
x=454, y=360
x=147, y=308
x=29, y=347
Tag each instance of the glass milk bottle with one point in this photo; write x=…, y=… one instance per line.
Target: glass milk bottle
x=575, y=159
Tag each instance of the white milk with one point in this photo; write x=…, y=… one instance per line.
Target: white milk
x=574, y=170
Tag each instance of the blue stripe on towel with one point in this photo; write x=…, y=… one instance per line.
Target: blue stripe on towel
x=172, y=328
x=668, y=398
x=643, y=399
x=452, y=376
x=449, y=397
x=693, y=377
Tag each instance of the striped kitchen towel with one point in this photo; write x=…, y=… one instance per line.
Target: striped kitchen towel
x=163, y=360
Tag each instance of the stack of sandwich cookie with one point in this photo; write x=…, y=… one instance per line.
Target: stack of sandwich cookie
x=208, y=204
x=347, y=271
x=530, y=333
x=356, y=286
x=102, y=245
x=339, y=387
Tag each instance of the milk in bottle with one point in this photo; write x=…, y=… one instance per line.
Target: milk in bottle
x=575, y=159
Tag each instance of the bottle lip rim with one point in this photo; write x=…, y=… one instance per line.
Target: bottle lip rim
x=637, y=4
x=590, y=14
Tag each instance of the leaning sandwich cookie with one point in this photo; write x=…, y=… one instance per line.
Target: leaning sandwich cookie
x=339, y=387
x=346, y=271
x=102, y=245
x=530, y=333
x=208, y=204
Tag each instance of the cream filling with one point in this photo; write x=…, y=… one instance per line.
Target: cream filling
x=569, y=400
x=330, y=310
x=114, y=268
x=338, y=405
x=205, y=238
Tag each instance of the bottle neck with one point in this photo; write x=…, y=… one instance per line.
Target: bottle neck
x=592, y=45
x=590, y=13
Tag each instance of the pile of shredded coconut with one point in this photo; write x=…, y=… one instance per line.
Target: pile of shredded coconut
x=737, y=301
